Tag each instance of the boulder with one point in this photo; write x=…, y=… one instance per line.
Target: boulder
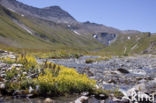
x=2, y=86
x=17, y=65
x=82, y=99
x=31, y=89
x=101, y=96
x=2, y=65
x=2, y=51
x=12, y=56
x=48, y=100
x=124, y=71
x=85, y=93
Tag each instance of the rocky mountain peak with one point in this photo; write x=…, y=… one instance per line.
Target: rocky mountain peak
x=52, y=7
x=52, y=13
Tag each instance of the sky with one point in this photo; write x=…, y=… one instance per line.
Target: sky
x=121, y=14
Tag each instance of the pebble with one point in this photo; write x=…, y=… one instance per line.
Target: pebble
x=48, y=100
x=82, y=99
x=85, y=93
x=2, y=86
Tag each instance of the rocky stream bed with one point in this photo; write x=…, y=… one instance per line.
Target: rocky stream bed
x=124, y=73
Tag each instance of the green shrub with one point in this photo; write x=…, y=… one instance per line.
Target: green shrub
x=97, y=59
x=28, y=61
x=66, y=81
x=7, y=60
x=115, y=91
x=10, y=74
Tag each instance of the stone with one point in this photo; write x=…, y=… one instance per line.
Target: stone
x=17, y=92
x=30, y=95
x=112, y=81
x=82, y=99
x=31, y=89
x=85, y=93
x=102, y=101
x=101, y=96
x=2, y=65
x=12, y=56
x=124, y=71
x=24, y=73
x=37, y=87
x=93, y=100
x=2, y=86
x=48, y=100
x=3, y=75
x=17, y=65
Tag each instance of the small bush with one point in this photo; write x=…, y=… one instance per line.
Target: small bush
x=89, y=61
x=125, y=54
x=97, y=59
x=7, y=60
x=10, y=74
x=67, y=81
x=28, y=61
x=115, y=91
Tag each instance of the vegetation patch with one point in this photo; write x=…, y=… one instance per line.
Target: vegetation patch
x=44, y=79
x=60, y=80
x=97, y=59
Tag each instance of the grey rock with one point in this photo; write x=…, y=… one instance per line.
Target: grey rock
x=85, y=93
x=82, y=99
x=48, y=100
x=2, y=86
x=123, y=70
x=3, y=75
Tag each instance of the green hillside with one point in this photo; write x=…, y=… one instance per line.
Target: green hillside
x=46, y=34
x=128, y=44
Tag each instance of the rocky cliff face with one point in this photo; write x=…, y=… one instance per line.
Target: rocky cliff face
x=53, y=13
x=105, y=38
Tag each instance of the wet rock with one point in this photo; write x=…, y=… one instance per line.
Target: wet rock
x=2, y=65
x=17, y=65
x=93, y=100
x=3, y=75
x=82, y=99
x=48, y=100
x=31, y=89
x=17, y=92
x=124, y=100
x=85, y=94
x=112, y=81
x=30, y=95
x=24, y=73
x=124, y=71
x=11, y=56
x=2, y=86
x=102, y=101
x=2, y=51
x=37, y=88
x=101, y=96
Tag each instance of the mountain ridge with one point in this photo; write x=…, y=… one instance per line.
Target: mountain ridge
x=22, y=30
x=58, y=15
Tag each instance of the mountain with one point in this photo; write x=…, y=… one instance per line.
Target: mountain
x=53, y=13
x=57, y=15
x=20, y=31
x=24, y=26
